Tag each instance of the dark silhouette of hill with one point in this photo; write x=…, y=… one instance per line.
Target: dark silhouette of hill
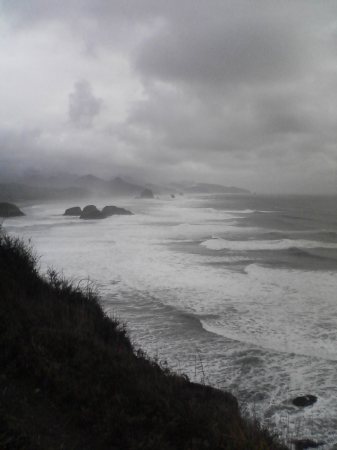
x=15, y=192
x=115, y=187
x=119, y=186
x=91, y=182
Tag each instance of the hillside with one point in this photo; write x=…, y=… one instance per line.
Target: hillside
x=78, y=188
x=71, y=379
x=22, y=192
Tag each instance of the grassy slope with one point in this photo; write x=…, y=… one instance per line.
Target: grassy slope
x=70, y=378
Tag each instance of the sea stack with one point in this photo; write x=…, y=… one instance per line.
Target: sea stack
x=10, y=210
x=91, y=212
x=74, y=211
x=115, y=210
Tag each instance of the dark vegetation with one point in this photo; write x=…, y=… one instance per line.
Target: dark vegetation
x=70, y=378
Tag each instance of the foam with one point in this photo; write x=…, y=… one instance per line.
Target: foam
x=284, y=310
x=287, y=318
x=282, y=244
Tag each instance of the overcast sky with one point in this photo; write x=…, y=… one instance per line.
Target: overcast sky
x=236, y=92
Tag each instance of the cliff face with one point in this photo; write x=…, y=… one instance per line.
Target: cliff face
x=71, y=379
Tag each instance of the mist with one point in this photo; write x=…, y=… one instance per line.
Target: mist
x=234, y=92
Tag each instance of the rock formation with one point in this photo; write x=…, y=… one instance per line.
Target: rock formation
x=10, y=210
x=115, y=210
x=304, y=400
x=74, y=211
x=302, y=444
x=91, y=212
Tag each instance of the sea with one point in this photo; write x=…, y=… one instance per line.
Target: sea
x=235, y=291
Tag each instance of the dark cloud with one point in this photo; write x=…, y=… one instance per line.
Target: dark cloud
x=83, y=105
x=239, y=91
x=234, y=52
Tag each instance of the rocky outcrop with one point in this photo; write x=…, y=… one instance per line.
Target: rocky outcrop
x=74, y=211
x=91, y=212
x=115, y=210
x=304, y=400
x=302, y=444
x=10, y=210
x=146, y=193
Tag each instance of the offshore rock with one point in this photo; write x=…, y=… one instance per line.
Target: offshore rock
x=91, y=212
x=74, y=211
x=304, y=400
x=115, y=210
x=302, y=444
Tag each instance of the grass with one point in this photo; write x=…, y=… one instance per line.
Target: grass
x=70, y=378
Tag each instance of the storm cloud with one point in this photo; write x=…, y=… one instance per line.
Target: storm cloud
x=83, y=105
x=238, y=92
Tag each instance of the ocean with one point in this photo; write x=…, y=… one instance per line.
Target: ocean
x=236, y=291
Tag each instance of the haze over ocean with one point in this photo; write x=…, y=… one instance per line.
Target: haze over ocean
x=238, y=289
x=105, y=101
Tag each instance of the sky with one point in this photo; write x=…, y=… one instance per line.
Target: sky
x=237, y=92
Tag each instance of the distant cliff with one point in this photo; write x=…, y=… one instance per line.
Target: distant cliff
x=116, y=186
x=15, y=192
x=78, y=188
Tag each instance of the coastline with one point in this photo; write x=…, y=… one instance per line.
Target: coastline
x=150, y=277
x=76, y=369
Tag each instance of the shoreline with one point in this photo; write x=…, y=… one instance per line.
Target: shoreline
x=58, y=363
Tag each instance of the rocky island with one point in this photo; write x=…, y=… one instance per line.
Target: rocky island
x=74, y=211
x=108, y=211
x=92, y=212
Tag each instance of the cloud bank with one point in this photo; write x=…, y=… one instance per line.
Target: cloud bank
x=236, y=92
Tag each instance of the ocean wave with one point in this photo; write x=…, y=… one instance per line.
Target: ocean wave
x=241, y=211
x=281, y=244
x=267, y=343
